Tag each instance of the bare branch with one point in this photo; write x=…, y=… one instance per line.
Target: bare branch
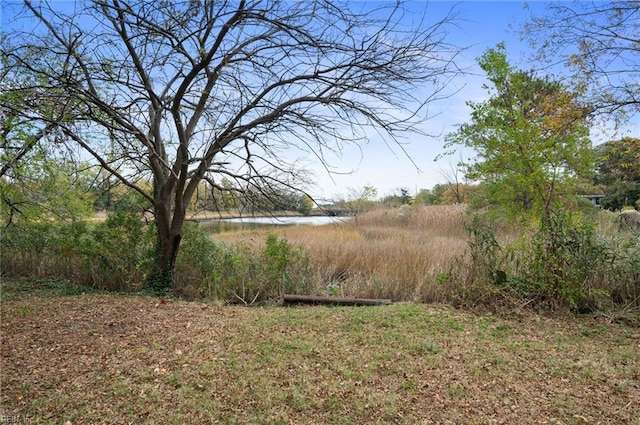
x=600, y=43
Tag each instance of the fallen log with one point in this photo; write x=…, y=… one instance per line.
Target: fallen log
x=289, y=299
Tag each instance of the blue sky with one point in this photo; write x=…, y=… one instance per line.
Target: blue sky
x=481, y=24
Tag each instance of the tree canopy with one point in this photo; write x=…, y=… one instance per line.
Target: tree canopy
x=531, y=138
x=618, y=170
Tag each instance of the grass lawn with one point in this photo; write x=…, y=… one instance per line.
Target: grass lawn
x=75, y=358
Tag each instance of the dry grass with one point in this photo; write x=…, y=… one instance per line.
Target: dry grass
x=395, y=254
x=109, y=359
x=630, y=220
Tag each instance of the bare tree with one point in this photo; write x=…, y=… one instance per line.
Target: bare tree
x=186, y=91
x=453, y=177
x=600, y=41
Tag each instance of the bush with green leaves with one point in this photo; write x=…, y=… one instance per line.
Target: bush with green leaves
x=567, y=262
x=120, y=252
x=287, y=268
x=115, y=254
x=205, y=269
x=239, y=272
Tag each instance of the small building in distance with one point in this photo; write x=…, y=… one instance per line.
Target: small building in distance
x=595, y=199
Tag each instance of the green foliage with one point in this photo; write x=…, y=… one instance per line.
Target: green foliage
x=566, y=263
x=40, y=177
x=277, y=255
x=438, y=193
x=618, y=171
x=120, y=254
x=305, y=205
x=207, y=269
x=485, y=252
x=204, y=269
x=285, y=264
x=530, y=138
x=112, y=195
x=45, y=187
x=115, y=254
x=425, y=197
x=44, y=249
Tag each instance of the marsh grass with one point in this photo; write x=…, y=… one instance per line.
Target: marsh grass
x=476, y=260
x=413, y=253
x=387, y=253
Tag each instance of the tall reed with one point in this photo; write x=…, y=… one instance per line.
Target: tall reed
x=388, y=253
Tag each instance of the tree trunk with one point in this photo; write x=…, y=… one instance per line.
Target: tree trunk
x=169, y=235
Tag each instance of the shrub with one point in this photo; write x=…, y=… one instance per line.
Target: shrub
x=240, y=272
x=566, y=263
x=112, y=255
x=120, y=252
x=205, y=269
x=287, y=267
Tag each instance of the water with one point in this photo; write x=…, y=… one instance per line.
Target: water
x=244, y=223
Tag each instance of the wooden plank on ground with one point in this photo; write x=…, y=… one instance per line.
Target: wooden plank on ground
x=289, y=299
